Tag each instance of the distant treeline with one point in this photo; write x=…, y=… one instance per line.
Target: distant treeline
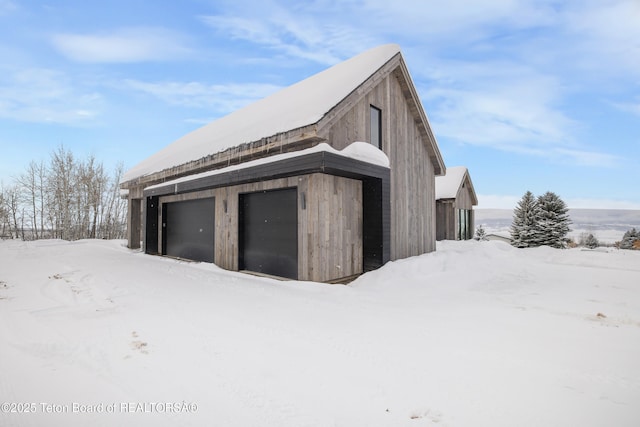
x=65, y=198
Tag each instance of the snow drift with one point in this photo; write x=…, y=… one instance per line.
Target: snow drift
x=476, y=334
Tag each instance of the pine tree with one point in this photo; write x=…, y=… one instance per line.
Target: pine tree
x=591, y=242
x=481, y=235
x=552, y=221
x=629, y=237
x=523, y=227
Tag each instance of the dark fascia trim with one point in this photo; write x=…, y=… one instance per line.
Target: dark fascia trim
x=319, y=162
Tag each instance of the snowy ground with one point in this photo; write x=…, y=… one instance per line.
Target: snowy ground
x=476, y=334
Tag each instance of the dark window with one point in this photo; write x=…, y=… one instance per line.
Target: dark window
x=464, y=224
x=376, y=126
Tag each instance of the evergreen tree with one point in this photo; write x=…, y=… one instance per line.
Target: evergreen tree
x=480, y=233
x=629, y=237
x=591, y=242
x=552, y=221
x=523, y=227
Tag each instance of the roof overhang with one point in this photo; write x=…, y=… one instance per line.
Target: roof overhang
x=316, y=162
x=409, y=90
x=472, y=191
x=278, y=118
x=293, y=140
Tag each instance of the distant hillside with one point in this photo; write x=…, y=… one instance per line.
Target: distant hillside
x=608, y=225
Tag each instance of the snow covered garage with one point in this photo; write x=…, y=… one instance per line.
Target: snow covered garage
x=455, y=199
x=285, y=186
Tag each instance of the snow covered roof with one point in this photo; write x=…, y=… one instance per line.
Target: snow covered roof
x=357, y=150
x=447, y=186
x=296, y=106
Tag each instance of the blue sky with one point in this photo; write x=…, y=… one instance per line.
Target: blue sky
x=529, y=95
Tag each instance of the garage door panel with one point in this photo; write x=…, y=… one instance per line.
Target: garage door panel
x=269, y=232
x=188, y=229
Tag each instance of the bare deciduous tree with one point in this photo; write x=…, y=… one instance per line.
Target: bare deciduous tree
x=5, y=224
x=68, y=199
x=12, y=203
x=28, y=184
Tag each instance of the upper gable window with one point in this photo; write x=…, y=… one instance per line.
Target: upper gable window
x=376, y=126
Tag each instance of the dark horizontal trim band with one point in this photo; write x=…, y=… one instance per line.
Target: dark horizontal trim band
x=320, y=162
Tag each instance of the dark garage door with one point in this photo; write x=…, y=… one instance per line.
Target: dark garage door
x=269, y=232
x=187, y=229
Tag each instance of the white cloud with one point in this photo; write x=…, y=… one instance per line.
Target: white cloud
x=607, y=34
x=301, y=34
x=459, y=21
x=513, y=120
x=500, y=201
x=602, y=204
x=122, y=46
x=585, y=38
x=46, y=96
x=632, y=107
x=488, y=76
x=586, y=157
x=497, y=201
x=511, y=109
x=502, y=118
x=219, y=98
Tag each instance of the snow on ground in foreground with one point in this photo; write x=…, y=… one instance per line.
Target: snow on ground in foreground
x=476, y=334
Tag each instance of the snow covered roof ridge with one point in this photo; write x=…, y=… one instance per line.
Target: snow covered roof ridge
x=285, y=110
x=447, y=186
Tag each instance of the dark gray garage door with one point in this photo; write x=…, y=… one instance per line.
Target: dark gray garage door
x=269, y=232
x=188, y=229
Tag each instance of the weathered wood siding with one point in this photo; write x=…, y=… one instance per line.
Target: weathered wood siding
x=413, y=219
x=446, y=219
x=463, y=197
x=329, y=223
x=447, y=215
x=135, y=212
x=464, y=200
x=134, y=223
x=406, y=139
x=331, y=228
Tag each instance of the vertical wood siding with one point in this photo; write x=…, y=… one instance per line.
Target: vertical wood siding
x=329, y=223
x=446, y=220
x=464, y=200
x=331, y=228
x=413, y=219
x=463, y=197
